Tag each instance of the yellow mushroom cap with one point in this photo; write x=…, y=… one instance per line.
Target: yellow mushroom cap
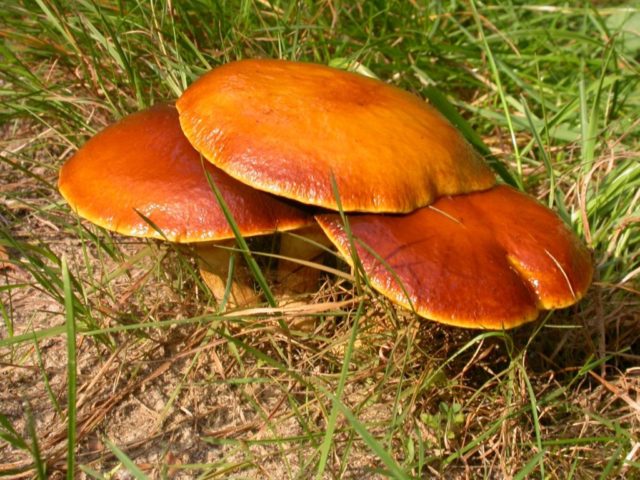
x=488, y=259
x=145, y=164
x=287, y=128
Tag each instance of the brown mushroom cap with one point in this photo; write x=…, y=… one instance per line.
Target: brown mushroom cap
x=490, y=259
x=145, y=163
x=287, y=128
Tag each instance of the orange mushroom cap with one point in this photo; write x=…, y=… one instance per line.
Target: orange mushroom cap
x=287, y=128
x=145, y=164
x=489, y=259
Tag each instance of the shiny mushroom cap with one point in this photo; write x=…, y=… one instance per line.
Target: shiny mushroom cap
x=488, y=260
x=288, y=128
x=143, y=166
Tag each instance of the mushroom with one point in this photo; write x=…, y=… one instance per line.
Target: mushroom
x=288, y=128
x=141, y=177
x=488, y=259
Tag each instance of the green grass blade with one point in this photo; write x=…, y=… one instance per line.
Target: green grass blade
x=242, y=244
x=71, y=370
x=394, y=469
x=543, y=153
x=41, y=467
x=126, y=461
x=331, y=423
x=530, y=466
x=501, y=92
x=10, y=435
x=358, y=269
x=536, y=419
x=610, y=467
x=440, y=101
x=36, y=334
x=45, y=378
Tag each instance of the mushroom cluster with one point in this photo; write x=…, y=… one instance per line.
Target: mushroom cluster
x=288, y=142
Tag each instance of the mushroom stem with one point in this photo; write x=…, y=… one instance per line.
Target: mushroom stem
x=214, y=261
x=307, y=246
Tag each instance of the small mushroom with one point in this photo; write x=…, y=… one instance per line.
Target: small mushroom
x=141, y=177
x=288, y=128
x=488, y=259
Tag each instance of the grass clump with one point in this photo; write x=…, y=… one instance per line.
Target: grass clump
x=165, y=386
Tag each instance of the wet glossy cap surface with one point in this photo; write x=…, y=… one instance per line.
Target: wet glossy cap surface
x=287, y=127
x=145, y=163
x=489, y=260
